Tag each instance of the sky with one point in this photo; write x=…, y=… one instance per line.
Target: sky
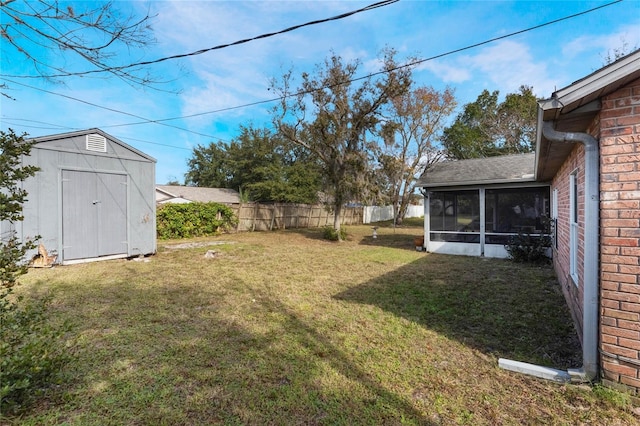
x=226, y=88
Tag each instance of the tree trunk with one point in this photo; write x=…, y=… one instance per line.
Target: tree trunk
x=337, y=210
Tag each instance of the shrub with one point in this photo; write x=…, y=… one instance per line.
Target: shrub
x=331, y=234
x=531, y=248
x=193, y=220
x=32, y=351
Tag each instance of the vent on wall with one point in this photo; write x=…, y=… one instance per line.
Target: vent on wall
x=96, y=142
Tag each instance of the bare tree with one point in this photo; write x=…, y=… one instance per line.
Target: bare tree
x=331, y=115
x=49, y=36
x=410, y=134
x=616, y=53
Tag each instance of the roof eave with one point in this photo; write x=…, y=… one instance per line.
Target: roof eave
x=475, y=183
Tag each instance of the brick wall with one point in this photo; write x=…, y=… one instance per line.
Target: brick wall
x=620, y=237
x=573, y=290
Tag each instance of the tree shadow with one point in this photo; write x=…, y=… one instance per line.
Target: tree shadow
x=216, y=370
x=495, y=306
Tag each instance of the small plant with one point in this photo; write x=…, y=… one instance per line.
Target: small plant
x=615, y=397
x=193, y=220
x=32, y=352
x=331, y=234
x=531, y=248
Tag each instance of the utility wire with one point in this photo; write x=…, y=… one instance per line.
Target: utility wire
x=218, y=47
x=411, y=64
x=146, y=120
x=53, y=126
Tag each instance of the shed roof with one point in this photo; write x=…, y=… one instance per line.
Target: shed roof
x=478, y=171
x=42, y=141
x=573, y=109
x=199, y=194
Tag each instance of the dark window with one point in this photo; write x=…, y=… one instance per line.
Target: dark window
x=509, y=211
x=455, y=216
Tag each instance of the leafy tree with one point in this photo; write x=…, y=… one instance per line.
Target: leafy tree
x=35, y=32
x=207, y=167
x=331, y=115
x=488, y=128
x=12, y=173
x=260, y=165
x=410, y=141
x=31, y=352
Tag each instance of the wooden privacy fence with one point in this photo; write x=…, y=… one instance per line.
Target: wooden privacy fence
x=267, y=217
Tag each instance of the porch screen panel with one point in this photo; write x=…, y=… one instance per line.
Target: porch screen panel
x=512, y=211
x=455, y=216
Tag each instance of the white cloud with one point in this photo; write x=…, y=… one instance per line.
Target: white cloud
x=507, y=65
x=447, y=72
x=625, y=38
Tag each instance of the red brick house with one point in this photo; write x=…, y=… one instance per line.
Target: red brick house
x=588, y=147
x=585, y=176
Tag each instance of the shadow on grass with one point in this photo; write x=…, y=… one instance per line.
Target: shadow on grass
x=164, y=355
x=496, y=306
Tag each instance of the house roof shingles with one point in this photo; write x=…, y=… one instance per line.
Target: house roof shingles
x=204, y=195
x=477, y=171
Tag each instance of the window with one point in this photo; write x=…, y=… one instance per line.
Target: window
x=515, y=210
x=455, y=216
x=573, y=226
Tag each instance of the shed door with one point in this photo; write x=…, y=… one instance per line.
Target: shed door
x=94, y=214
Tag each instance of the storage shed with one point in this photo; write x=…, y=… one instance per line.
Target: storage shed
x=93, y=198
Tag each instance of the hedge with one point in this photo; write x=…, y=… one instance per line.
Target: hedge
x=193, y=220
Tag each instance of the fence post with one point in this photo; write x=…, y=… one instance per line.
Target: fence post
x=255, y=214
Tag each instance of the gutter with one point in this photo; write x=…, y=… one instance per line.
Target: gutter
x=589, y=369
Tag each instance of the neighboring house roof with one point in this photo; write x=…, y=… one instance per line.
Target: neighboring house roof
x=52, y=139
x=194, y=193
x=477, y=171
x=573, y=109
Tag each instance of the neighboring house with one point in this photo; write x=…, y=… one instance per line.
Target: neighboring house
x=188, y=194
x=588, y=151
x=91, y=200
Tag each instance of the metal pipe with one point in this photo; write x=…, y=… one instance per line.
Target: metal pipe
x=589, y=369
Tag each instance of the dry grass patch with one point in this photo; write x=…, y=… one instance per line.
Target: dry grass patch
x=285, y=328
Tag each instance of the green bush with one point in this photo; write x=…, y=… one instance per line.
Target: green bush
x=32, y=351
x=531, y=248
x=193, y=220
x=331, y=234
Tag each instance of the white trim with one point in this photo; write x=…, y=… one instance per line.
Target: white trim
x=573, y=226
x=594, y=82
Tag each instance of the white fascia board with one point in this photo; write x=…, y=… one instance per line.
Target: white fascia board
x=597, y=80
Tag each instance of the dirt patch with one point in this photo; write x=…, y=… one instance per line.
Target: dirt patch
x=196, y=244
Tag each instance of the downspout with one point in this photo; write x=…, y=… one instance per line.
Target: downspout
x=591, y=261
x=589, y=369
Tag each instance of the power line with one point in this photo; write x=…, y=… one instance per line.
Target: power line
x=209, y=49
x=146, y=120
x=411, y=64
x=60, y=127
x=414, y=63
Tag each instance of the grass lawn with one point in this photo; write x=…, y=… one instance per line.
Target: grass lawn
x=285, y=328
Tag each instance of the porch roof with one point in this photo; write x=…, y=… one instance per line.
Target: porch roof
x=480, y=171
